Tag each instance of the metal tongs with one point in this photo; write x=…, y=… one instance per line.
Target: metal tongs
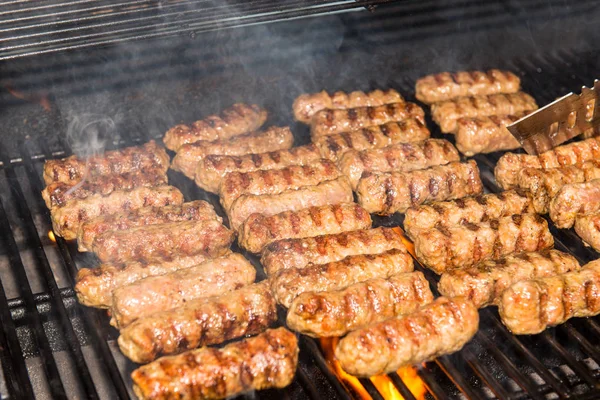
x=559, y=121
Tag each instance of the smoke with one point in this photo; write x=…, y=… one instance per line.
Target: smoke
x=89, y=133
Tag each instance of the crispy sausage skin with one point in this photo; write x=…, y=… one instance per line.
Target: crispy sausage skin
x=529, y=307
x=329, y=122
x=475, y=209
x=510, y=164
x=575, y=200
x=387, y=193
x=128, y=160
x=275, y=181
x=401, y=157
x=484, y=283
x=439, y=328
x=372, y=137
x=460, y=246
x=334, y=191
x=271, y=139
x=288, y=284
x=323, y=249
x=268, y=360
x=174, y=289
x=447, y=113
x=67, y=219
x=306, y=105
x=446, y=85
x=213, y=168
x=486, y=134
x=259, y=230
x=233, y=121
x=246, y=311
x=588, y=229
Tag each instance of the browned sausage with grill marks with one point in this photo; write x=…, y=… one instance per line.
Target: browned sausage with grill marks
x=271, y=139
x=486, y=134
x=246, y=311
x=460, y=246
x=401, y=157
x=234, y=121
x=439, y=328
x=575, y=200
x=329, y=122
x=529, y=307
x=446, y=85
x=446, y=113
x=387, y=193
x=268, y=360
x=128, y=160
x=306, y=105
x=588, y=229
x=212, y=169
x=260, y=230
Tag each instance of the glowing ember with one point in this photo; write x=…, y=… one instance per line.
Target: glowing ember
x=51, y=236
x=41, y=99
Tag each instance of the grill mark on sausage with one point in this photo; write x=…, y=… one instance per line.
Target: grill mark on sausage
x=434, y=186
x=353, y=115
x=389, y=193
x=296, y=222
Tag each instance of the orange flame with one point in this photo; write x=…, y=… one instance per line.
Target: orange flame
x=41, y=99
x=51, y=236
x=406, y=241
x=350, y=382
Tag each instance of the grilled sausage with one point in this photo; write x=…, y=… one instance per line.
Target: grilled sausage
x=387, y=193
x=460, y=246
x=484, y=283
x=155, y=242
x=588, y=229
x=323, y=249
x=130, y=159
x=329, y=122
x=67, y=219
x=268, y=360
x=439, y=328
x=529, y=307
x=401, y=157
x=246, y=311
x=574, y=200
x=275, y=181
x=288, y=284
x=446, y=113
x=335, y=313
x=476, y=135
x=469, y=209
x=272, y=139
x=446, y=85
x=95, y=286
x=510, y=164
x=259, y=230
x=198, y=210
x=233, y=121
x=329, y=192
x=212, y=169
x=174, y=289
x=372, y=137
x=306, y=105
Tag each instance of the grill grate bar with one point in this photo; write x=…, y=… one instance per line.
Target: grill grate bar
x=590, y=349
x=402, y=388
x=456, y=376
x=432, y=384
x=575, y=365
x=485, y=376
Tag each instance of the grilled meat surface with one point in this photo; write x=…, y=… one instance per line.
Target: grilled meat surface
x=446, y=85
x=475, y=209
x=67, y=219
x=288, y=284
x=116, y=162
x=460, y=246
x=372, y=137
x=174, y=289
x=447, y=113
x=259, y=230
x=588, y=229
x=329, y=122
x=323, y=249
x=575, y=200
x=271, y=139
x=233, y=121
x=268, y=360
x=160, y=241
x=510, y=164
x=486, y=134
x=334, y=191
x=484, y=283
x=529, y=307
x=213, y=168
x=401, y=157
x=439, y=328
x=214, y=320
x=387, y=193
